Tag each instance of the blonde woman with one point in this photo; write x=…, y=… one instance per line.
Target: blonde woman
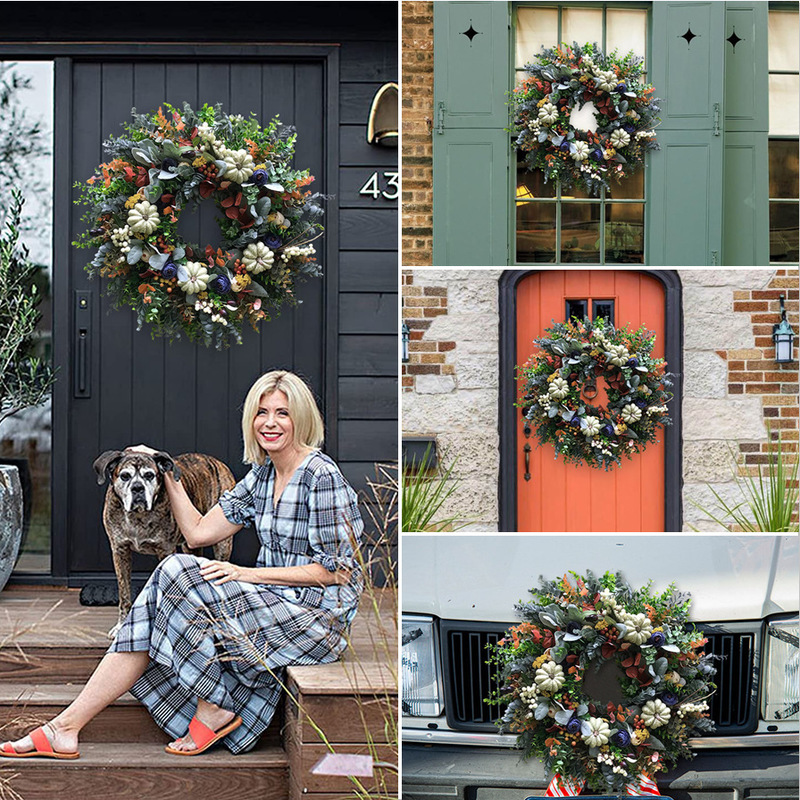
x=205, y=640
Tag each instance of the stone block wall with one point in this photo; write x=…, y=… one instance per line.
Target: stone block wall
x=732, y=387
x=450, y=384
x=417, y=54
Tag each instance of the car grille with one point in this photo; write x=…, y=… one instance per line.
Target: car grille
x=469, y=679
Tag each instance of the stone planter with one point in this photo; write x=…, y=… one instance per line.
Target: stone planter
x=11, y=520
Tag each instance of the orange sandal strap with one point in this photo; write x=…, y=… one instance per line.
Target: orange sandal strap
x=40, y=741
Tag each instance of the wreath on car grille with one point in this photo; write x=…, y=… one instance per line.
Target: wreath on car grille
x=170, y=160
x=584, y=117
x=559, y=387
x=593, y=636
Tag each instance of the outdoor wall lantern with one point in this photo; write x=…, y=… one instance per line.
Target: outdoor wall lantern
x=382, y=123
x=405, y=342
x=783, y=336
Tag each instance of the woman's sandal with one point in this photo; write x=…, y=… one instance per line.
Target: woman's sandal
x=204, y=737
x=42, y=748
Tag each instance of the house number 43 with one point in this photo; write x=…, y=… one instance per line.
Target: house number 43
x=372, y=188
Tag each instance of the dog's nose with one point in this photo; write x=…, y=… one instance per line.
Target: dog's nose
x=137, y=488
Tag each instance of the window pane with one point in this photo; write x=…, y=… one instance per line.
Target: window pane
x=576, y=308
x=624, y=233
x=784, y=54
x=783, y=169
x=582, y=25
x=536, y=28
x=603, y=309
x=626, y=30
x=580, y=233
x=784, y=105
x=783, y=232
x=536, y=233
x=531, y=184
x=631, y=188
x=26, y=124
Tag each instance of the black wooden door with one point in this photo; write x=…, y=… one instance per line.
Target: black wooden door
x=179, y=397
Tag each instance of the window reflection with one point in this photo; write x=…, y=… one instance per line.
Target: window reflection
x=26, y=93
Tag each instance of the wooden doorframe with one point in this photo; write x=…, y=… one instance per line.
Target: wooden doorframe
x=508, y=415
x=63, y=55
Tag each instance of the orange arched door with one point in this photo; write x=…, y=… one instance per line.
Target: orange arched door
x=565, y=497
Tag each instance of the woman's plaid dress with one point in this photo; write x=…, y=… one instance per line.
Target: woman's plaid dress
x=228, y=643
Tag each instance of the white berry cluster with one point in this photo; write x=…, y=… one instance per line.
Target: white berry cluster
x=529, y=697
x=692, y=708
x=657, y=410
x=204, y=306
x=603, y=449
x=608, y=758
x=121, y=237
x=220, y=318
x=293, y=251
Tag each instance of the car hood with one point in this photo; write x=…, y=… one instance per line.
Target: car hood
x=482, y=577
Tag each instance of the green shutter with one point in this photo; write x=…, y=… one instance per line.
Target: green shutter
x=684, y=219
x=471, y=148
x=746, y=208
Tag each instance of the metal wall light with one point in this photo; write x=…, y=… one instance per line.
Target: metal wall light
x=383, y=114
x=783, y=336
x=405, y=337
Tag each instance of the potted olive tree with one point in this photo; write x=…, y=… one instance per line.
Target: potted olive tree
x=25, y=380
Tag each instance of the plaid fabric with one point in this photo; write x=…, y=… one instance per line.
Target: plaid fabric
x=229, y=643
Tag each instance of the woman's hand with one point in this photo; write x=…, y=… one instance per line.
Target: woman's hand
x=223, y=571
x=142, y=448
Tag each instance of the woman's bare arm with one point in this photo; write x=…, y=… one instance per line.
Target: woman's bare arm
x=199, y=530
x=312, y=574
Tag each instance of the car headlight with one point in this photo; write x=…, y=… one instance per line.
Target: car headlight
x=422, y=696
x=782, y=663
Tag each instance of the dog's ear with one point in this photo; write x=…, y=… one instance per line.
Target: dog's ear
x=165, y=463
x=105, y=464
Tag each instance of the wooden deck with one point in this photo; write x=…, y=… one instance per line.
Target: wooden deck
x=49, y=644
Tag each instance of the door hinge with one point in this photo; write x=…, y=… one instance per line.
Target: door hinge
x=440, y=118
x=716, y=119
x=715, y=258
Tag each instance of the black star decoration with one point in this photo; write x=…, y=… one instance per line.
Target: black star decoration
x=470, y=33
x=689, y=36
x=734, y=39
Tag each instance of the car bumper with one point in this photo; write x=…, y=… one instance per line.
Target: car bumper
x=433, y=772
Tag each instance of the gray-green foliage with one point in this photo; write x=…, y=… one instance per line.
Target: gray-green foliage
x=25, y=380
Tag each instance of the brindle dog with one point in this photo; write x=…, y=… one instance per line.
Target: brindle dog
x=137, y=515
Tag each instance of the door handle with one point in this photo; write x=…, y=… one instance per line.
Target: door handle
x=82, y=345
x=527, y=451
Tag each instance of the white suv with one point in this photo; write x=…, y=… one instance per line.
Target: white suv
x=458, y=594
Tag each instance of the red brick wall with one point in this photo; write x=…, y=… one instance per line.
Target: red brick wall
x=754, y=371
x=425, y=356
x=417, y=150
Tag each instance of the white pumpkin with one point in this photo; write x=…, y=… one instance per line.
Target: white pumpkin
x=197, y=278
x=631, y=414
x=639, y=626
x=143, y=218
x=240, y=165
x=599, y=732
x=655, y=714
x=559, y=389
x=257, y=257
x=549, y=677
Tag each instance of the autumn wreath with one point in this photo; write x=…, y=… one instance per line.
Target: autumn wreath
x=169, y=160
x=559, y=389
x=579, y=632
x=584, y=117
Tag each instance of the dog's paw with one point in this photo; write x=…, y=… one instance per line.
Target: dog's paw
x=113, y=632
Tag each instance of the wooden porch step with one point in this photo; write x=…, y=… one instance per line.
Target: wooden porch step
x=146, y=772
x=23, y=707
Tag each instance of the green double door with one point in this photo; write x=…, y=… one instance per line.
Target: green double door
x=706, y=188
